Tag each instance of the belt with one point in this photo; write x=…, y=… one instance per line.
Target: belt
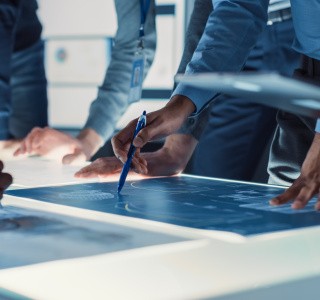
x=279, y=16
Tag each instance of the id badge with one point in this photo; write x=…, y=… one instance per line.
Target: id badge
x=136, y=78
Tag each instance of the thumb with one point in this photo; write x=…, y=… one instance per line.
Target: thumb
x=146, y=134
x=76, y=157
x=151, y=132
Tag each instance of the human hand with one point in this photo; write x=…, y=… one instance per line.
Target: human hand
x=50, y=142
x=171, y=159
x=160, y=123
x=53, y=143
x=307, y=184
x=101, y=167
x=5, y=180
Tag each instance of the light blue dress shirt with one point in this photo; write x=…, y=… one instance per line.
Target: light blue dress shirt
x=231, y=32
x=305, y=15
x=112, y=99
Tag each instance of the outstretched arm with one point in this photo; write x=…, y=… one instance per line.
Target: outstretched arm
x=171, y=159
x=112, y=98
x=230, y=32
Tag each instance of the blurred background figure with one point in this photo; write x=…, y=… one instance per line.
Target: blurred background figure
x=23, y=85
x=113, y=97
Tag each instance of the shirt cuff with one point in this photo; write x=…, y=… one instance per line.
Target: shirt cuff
x=318, y=126
x=98, y=123
x=199, y=97
x=196, y=124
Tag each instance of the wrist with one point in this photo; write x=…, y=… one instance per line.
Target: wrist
x=183, y=103
x=179, y=149
x=90, y=142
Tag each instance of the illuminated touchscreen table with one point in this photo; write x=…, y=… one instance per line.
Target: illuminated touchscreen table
x=195, y=202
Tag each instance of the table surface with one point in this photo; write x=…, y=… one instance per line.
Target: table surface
x=75, y=251
x=194, y=202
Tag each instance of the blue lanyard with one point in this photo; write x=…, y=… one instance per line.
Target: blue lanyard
x=144, y=7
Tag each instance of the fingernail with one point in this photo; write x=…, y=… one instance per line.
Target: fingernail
x=297, y=205
x=274, y=202
x=66, y=161
x=138, y=142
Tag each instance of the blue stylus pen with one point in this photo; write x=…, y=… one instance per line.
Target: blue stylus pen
x=126, y=167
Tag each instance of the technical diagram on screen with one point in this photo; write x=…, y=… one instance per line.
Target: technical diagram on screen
x=188, y=201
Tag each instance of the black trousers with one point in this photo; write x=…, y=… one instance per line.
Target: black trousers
x=294, y=134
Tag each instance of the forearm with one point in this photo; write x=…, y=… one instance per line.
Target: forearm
x=173, y=157
x=112, y=100
x=90, y=142
x=181, y=147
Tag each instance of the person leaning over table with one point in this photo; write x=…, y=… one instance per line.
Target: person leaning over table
x=23, y=85
x=112, y=98
x=5, y=180
x=238, y=119
x=171, y=158
x=231, y=31
x=243, y=129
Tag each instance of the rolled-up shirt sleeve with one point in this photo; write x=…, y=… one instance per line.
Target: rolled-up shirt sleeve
x=230, y=33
